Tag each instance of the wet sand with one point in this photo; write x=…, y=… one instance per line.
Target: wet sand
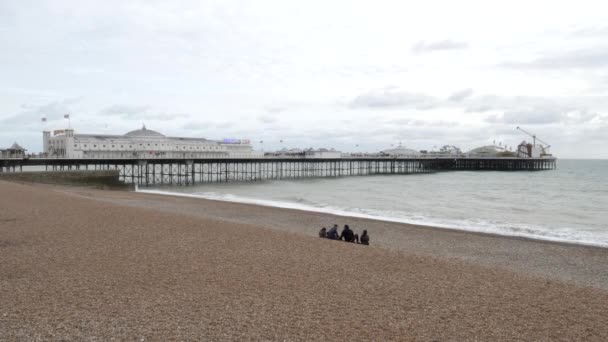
x=80, y=264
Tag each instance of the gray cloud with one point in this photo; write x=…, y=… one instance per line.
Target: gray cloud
x=461, y=95
x=128, y=111
x=197, y=125
x=223, y=62
x=33, y=114
x=392, y=98
x=488, y=103
x=275, y=109
x=543, y=115
x=530, y=116
x=133, y=112
x=421, y=123
x=225, y=124
x=210, y=125
x=443, y=45
x=594, y=31
x=511, y=109
x=267, y=119
x=536, y=110
x=594, y=58
x=581, y=116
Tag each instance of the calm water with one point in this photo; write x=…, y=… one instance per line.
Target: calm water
x=567, y=204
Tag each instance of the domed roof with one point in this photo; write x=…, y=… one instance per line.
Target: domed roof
x=401, y=151
x=488, y=150
x=144, y=133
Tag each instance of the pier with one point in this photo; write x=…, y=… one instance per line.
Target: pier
x=148, y=172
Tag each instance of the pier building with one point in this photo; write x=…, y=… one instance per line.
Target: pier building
x=141, y=144
x=310, y=153
x=15, y=151
x=528, y=150
x=484, y=151
x=400, y=151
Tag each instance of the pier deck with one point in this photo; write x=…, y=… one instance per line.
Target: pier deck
x=146, y=172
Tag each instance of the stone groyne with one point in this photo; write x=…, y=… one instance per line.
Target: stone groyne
x=106, y=179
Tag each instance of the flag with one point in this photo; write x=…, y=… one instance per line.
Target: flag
x=43, y=119
x=66, y=116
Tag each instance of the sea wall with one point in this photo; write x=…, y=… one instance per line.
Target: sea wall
x=107, y=179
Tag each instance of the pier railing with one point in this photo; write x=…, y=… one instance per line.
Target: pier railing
x=146, y=172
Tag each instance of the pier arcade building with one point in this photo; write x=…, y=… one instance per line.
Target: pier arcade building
x=141, y=143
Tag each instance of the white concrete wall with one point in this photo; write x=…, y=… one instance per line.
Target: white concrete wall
x=90, y=147
x=69, y=145
x=46, y=135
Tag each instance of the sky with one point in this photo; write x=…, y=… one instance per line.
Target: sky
x=352, y=75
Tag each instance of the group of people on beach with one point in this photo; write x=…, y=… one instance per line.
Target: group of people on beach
x=347, y=235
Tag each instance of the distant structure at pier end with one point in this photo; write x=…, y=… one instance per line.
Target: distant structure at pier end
x=142, y=143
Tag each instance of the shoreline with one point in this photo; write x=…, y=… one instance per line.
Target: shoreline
x=353, y=215
x=582, y=265
x=88, y=264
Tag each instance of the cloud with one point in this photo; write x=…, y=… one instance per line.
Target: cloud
x=535, y=110
x=210, y=125
x=491, y=102
x=133, y=112
x=443, y=45
x=531, y=117
x=582, y=116
x=127, y=111
x=545, y=115
x=511, y=110
x=222, y=62
x=225, y=124
x=197, y=125
x=393, y=98
x=32, y=114
x=421, y=123
x=81, y=70
x=594, y=31
x=487, y=103
x=275, y=109
x=461, y=95
x=267, y=119
x=595, y=58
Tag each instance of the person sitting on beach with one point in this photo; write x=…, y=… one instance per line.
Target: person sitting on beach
x=364, y=238
x=347, y=234
x=323, y=232
x=332, y=234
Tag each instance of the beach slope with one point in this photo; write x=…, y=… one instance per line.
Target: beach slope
x=94, y=265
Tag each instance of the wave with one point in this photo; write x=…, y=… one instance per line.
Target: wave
x=568, y=235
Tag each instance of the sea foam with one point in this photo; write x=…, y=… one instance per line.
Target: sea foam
x=568, y=235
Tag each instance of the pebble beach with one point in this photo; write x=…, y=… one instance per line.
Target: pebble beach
x=93, y=265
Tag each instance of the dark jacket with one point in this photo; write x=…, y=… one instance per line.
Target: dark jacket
x=323, y=233
x=332, y=233
x=364, y=239
x=347, y=235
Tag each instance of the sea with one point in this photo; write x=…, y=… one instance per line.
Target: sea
x=569, y=204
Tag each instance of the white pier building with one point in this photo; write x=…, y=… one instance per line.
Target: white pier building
x=142, y=143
